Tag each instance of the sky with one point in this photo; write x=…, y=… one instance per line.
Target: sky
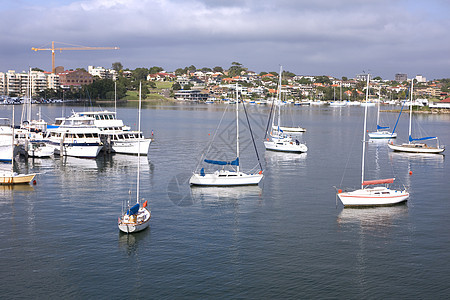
x=314, y=37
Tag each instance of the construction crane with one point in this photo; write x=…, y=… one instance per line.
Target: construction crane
x=73, y=47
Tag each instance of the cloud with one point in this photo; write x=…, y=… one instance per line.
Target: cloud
x=339, y=38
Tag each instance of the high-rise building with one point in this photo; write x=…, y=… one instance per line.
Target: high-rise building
x=399, y=77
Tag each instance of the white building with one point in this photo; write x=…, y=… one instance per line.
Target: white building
x=420, y=78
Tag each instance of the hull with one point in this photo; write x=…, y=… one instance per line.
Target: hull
x=82, y=151
x=40, y=151
x=12, y=178
x=416, y=148
x=225, y=178
x=285, y=147
x=382, y=135
x=137, y=223
x=290, y=129
x=127, y=147
x=378, y=196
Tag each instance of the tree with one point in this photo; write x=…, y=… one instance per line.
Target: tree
x=344, y=78
x=287, y=74
x=117, y=66
x=140, y=74
x=205, y=70
x=176, y=86
x=218, y=69
x=154, y=70
x=37, y=69
x=378, y=78
x=179, y=72
x=236, y=69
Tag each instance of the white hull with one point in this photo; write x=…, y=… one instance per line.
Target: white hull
x=40, y=150
x=376, y=196
x=338, y=104
x=416, y=148
x=135, y=223
x=382, y=135
x=225, y=178
x=290, y=129
x=131, y=147
x=5, y=152
x=285, y=146
x=82, y=151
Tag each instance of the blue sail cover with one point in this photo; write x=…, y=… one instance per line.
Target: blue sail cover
x=382, y=127
x=223, y=163
x=422, y=139
x=133, y=210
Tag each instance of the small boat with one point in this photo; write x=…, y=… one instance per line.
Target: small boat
x=416, y=145
x=8, y=176
x=227, y=177
x=382, y=132
x=371, y=193
x=278, y=140
x=137, y=217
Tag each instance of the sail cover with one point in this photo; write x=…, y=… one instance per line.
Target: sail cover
x=223, y=163
x=378, y=181
x=382, y=127
x=422, y=139
x=133, y=210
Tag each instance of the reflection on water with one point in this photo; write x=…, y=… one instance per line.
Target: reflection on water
x=436, y=159
x=130, y=242
x=7, y=191
x=377, y=218
x=241, y=198
x=283, y=158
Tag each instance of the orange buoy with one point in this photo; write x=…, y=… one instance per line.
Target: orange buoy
x=260, y=172
x=410, y=172
x=34, y=182
x=339, y=191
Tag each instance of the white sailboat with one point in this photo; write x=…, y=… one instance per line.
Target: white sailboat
x=415, y=145
x=137, y=217
x=227, y=177
x=382, y=132
x=278, y=140
x=8, y=176
x=371, y=193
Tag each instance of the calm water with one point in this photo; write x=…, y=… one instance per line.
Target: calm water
x=286, y=238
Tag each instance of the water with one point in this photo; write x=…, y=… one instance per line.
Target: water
x=283, y=239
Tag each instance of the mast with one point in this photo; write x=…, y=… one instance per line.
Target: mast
x=139, y=145
x=237, y=127
x=279, y=100
x=410, y=111
x=12, y=143
x=378, y=113
x=115, y=97
x=364, y=133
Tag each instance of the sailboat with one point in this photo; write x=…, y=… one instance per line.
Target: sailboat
x=382, y=132
x=227, y=177
x=415, y=145
x=8, y=176
x=137, y=217
x=371, y=192
x=279, y=141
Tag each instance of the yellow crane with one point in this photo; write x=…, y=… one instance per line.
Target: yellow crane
x=73, y=47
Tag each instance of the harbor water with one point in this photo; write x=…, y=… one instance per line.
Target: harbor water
x=288, y=238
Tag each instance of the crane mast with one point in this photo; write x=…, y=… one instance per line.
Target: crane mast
x=74, y=47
